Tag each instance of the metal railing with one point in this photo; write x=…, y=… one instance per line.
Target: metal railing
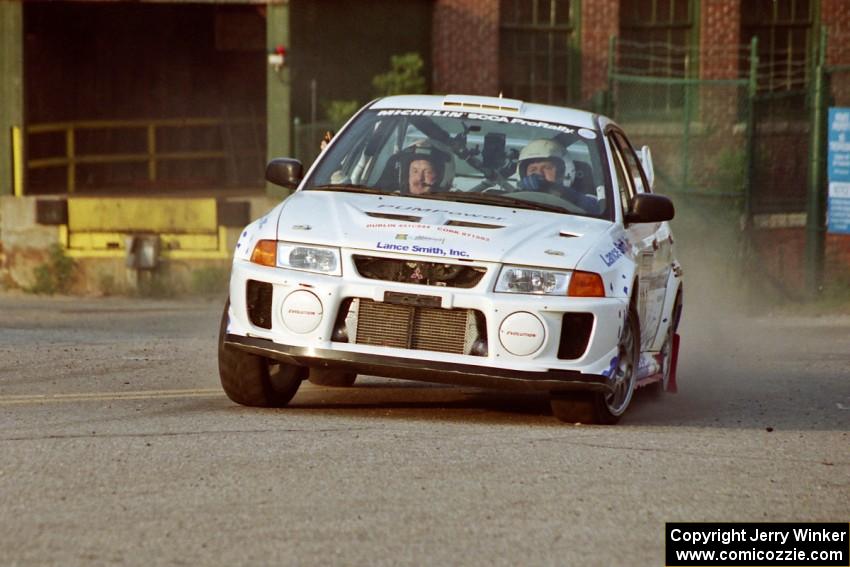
x=72, y=158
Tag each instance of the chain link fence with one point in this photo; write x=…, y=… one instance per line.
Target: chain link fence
x=732, y=138
x=700, y=134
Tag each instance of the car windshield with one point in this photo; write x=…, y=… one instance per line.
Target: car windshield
x=468, y=157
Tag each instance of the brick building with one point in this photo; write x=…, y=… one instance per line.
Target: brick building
x=557, y=50
x=203, y=112
x=560, y=52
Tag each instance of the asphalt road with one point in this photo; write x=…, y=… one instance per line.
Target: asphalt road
x=117, y=447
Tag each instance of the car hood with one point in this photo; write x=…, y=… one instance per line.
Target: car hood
x=435, y=228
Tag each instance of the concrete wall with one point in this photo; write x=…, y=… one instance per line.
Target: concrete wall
x=25, y=245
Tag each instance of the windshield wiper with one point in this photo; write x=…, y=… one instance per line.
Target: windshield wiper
x=498, y=200
x=348, y=188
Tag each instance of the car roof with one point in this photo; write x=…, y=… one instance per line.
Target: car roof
x=489, y=105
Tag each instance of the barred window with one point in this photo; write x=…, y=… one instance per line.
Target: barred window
x=537, y=51
x=784, y=32
x=656, y=39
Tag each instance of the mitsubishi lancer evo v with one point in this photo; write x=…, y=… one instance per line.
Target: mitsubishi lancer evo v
x=466, y=240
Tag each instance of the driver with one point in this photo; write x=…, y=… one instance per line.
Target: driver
x=425, y=169
x=545, y=166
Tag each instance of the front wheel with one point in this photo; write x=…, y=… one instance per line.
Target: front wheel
x=606, y=408
x=253, y=380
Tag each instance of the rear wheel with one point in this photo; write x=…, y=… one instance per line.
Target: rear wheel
x=253, y=380
x=606, y=407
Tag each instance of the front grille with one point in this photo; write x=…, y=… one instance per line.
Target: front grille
x=258, y=298
x=418, y=272
x=455, y=331
x=575, y=334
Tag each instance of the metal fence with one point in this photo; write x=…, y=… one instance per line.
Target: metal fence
x=701, y=134
x=92, y=155
x=737, y=153
x=828, y=263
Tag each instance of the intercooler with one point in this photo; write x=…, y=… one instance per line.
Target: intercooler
x=456, y=331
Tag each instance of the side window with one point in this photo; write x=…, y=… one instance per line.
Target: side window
x=631, y=162
x=622, y=180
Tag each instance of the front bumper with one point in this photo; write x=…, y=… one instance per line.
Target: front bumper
x=425, y=370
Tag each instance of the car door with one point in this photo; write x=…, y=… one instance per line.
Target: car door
x=650, y=243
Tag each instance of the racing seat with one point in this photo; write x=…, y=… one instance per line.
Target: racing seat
x=584, y=178
x=390, y=177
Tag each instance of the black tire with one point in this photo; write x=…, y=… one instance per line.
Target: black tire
x=573, y=407
x=332, y=377
x=253, y=380
x=602, y=408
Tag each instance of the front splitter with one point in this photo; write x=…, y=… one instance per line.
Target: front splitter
x=423, y=370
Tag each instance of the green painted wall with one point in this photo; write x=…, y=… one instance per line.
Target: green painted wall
x=11, y=85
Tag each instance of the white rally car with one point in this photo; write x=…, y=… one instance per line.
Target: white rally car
x=463, y=240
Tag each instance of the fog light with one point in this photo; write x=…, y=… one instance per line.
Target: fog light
x=522, y=334
x=301, y=312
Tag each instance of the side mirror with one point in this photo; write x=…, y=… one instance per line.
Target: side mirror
x=646, y=207
x=285, y=172
x=648, y=166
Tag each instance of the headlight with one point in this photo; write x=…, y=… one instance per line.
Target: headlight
x=517, y=279
x=309, y=258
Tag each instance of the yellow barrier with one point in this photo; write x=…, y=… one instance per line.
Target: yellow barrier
x=151, y=156
x=17, y=162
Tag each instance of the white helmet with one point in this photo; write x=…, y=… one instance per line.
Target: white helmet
x=543, y=149
x=440, y=160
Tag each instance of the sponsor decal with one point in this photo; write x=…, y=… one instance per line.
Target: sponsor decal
x=520, y=334
x=302, y=312
x=438, y=228
x=415, y=209
x=245, y=243
x=463, y=233
x=399, y=226
x=611, y=367
x=586, y=133
x=620, y=249
x=420, y=238
x=263, y=222
x=417, y=249
x=477, y=116
x=438, y=113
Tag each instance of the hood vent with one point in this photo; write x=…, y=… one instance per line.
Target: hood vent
x=566, y=234
x=390, y=216
x=468, y=224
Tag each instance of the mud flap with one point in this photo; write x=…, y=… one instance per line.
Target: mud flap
x=674, y=361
